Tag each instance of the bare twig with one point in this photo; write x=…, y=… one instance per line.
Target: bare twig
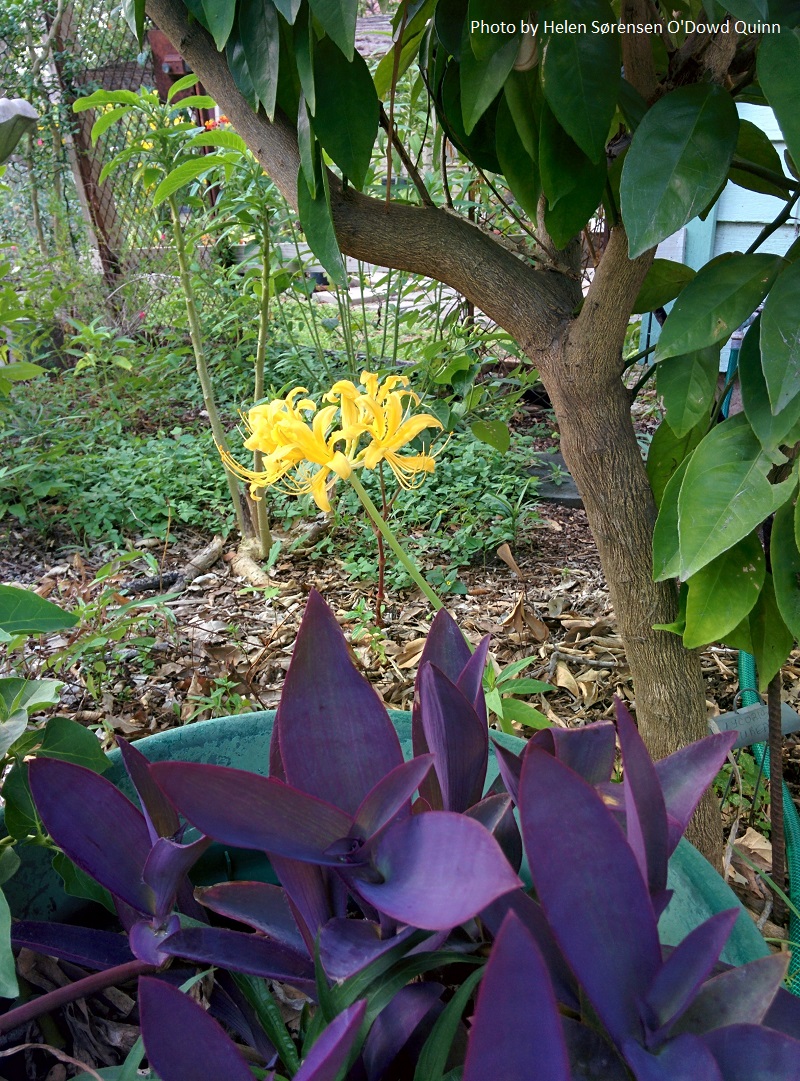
x=416, y=179
x=52, y=33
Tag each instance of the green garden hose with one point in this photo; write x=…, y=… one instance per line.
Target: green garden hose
x=791, y=823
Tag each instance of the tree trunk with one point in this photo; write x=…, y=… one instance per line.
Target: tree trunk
x=592, y=406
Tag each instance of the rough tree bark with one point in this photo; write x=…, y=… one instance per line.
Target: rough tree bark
x=579, y=358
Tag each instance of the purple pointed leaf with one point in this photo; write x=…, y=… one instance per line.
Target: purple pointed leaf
x=98, y=828
x=336, y=739
x=329, y=1053
x=391, y=797
x=754, y=1053
x=243, y=809
x=439, y=869
x=162, y=821
x=590, y=886
x=660, y=900
x=531, y=914
x=182, y=1041
x=346, y=946
x=684, y=971
x=741, y=995
x=496, y=813
x=146, y=940
x=510, y=767
x=685, y=1058
x=470, y=681
x=784, y=1012
x=260, y=905
x=446, y=648
x=308, y=891
x=645, y=812
x=588, y=751
x=516, y=1021
x=457, y=737
x=167, y=866
x=87, y=947
x=591, y=1056
x=685, y=775
x=242, y=952
x=396, y=1024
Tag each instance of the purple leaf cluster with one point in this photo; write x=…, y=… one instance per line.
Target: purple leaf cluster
x=392, y=870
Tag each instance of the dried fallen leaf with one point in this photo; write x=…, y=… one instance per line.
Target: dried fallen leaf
x=564, y=678
x=504, y=553
x=522, y=619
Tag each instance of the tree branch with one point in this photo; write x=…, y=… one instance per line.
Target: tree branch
x=530, y=304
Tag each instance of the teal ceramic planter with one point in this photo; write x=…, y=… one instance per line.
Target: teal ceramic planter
x=242, y=742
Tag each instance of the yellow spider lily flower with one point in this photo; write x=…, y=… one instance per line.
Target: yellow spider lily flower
x=306, y=457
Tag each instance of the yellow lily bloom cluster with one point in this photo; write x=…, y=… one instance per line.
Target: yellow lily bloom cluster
x=306, y=449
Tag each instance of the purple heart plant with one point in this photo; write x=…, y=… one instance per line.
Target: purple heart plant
x=398, y=879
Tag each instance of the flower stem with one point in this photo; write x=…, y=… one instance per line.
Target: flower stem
x=264, y=534
x=89, y=985
x=394, y=544
x=203, y=373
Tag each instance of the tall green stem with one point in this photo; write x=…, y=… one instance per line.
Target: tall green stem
x=394, y=544
x=262, y=519
x=203, y=373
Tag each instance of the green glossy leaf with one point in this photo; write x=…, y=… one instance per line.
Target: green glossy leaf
x=22, y=369
x=688, y=385
x=723, y=593
x=25, y=612
x=519, y=91
x=523, y=685
x=449, y=23
x=523, y=713
x=306, y=144
x=482, y=80
x=8, y=977
x=572, y=183
x=133, y=13
x=346, y=116
x=258, y=31
x=288, y=8
x=785, y=561
x=188, y=171
x=317, y=224
x=677, y=161
x=11, y=728
x=519, y=169
x=184, y=83
x=493, y=432
x=779, y=78
x=21, y=697
x=234, y=53
x=71, y=742
x=667, y=451
x=106, y=97
x=479, y=147
x=9, y=864
x=581, y=75
x=725, y=494
x=338, y=20
x=749, y=10
x=78, y=884
x=195, y=101
x=666, y=548
x=771, y=639
x=755, y=146
x=436, y=1049
x=780, y=339
x=303, y=40
x=665, y=279
x=228, y=140
x=717, y=301
x=219, y=18
x=19, y=813
x=105, y=120
x=772, y=430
